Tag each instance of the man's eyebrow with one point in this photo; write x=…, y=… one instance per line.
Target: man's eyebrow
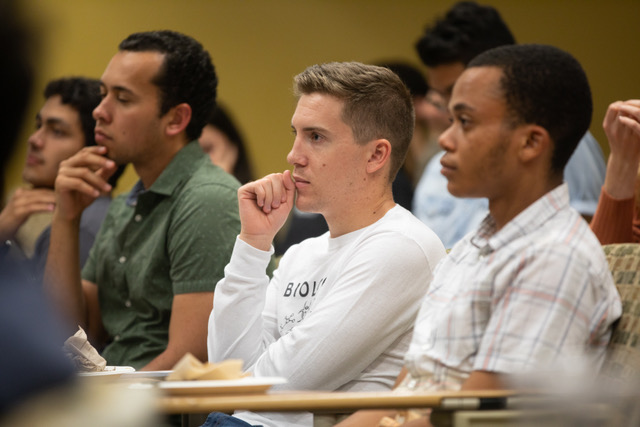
x=311, y=129
x=315, y=129
x=116, y=88
x=50, y=120
x=55, y=121
x=460, y=107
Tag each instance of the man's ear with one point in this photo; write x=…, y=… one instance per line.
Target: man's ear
x=379, y=155
x=536, y=142
x=178, y=118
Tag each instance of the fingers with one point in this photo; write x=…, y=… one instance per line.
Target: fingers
x=271, y=191
x=30, y=195
x=611, y=114
x=634, y=102
x=22, y=204
x=630, y=123
x=28, y=201
x=630, y=109
x=86, y=172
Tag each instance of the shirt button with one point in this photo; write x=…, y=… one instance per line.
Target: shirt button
x=137, y=218
x=123, y=259
x=116, y=338
x=127, y=303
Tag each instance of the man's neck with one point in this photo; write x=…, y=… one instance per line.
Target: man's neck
x=153, y=167
x=359, y=216
x=507, y=207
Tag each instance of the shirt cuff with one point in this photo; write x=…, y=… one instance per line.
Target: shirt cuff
x=248, y=261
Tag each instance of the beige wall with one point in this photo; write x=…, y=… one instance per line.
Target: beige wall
x=257, y=46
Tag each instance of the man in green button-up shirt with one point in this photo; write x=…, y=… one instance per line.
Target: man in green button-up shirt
x=147, y=289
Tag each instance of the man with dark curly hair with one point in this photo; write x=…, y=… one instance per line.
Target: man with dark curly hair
x=64, y=125
x=146, y=291
x=529, y=292
x=446, y=47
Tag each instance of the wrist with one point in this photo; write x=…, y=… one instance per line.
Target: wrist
x=65, y=220
x=620, y=178
x=6, y=235
x=262, y=243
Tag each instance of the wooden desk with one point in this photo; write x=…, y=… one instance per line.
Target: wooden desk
x=331, y=401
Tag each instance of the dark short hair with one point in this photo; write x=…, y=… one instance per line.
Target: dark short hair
x=546, y=86
x=187, y=74
x=83, y=95
x=376, y=103
x=411, y=76
x=466, y=30
x=221, y=120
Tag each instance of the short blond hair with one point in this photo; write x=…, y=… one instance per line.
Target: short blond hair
x=377, y=105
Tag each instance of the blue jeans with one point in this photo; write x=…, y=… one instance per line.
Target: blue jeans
x=218, y=419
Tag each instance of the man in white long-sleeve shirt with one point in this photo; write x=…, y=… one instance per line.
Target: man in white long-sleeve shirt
x=338, y=313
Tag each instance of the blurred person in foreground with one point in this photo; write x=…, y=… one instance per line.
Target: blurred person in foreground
x=338, y=313
x=31, y=361
x=529, y=291
x=145, y=293
x=617, y=218
x=38, y=386
x=446, y=47
x=64, y=125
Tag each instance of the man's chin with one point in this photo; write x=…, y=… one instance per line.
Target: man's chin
x=459, y=192
x=35, y=181
x=305, y=207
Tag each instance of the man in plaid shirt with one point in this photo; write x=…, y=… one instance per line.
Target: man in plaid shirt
x=530, y=289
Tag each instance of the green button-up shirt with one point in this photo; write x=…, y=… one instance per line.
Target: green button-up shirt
x=174, y=238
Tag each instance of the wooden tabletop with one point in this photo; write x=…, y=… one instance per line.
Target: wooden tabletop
x=283, y=401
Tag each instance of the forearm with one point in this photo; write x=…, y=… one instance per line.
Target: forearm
x=483, y=380
x=366, y=418
x=165, y=360
x=619, y=182
x=235, y=325
x=613, y=219
x=187, y=330
x=62, y=281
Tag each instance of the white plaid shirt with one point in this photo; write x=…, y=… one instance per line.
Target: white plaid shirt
x=536, y=294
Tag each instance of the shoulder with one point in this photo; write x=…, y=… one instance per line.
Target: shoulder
x=565, y=250
x=401, y=224
x=402, y=239
x=210, y=182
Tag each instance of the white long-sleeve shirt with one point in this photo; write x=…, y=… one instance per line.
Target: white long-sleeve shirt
x=338, y=313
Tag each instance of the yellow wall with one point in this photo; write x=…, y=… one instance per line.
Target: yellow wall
x=258, y=46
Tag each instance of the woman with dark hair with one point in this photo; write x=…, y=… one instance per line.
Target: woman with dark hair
x=222, y=141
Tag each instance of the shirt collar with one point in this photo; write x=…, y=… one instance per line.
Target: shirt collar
x=180, y=167
x=534, y=216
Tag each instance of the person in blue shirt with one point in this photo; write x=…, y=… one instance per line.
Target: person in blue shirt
x=445, y=48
